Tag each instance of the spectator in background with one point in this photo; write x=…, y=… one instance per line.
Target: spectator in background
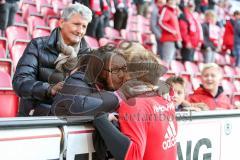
x=155, y=28
x=211, y=35
x=204, y=5
x=171, y=34
x=8, y=9
x=142, y=6
x=178, y=86
x=121, y=15
x=191, y=32
x=100, y=18
x=220, y=12
x=237, y=37
x=228, y=37
x=210, y=92
x=48, y=60
x=139, y=113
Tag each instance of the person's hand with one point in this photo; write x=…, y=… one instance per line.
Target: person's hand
x=237, y=104
x=112, y=117
x=192, y=109
x=56, y=88
x=202, y=106
x=188, y=45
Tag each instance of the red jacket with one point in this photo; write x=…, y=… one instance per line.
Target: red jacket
x=220, y=101
x=150, y=124
x=168, y=22
x=190, y=31
x=228, y=37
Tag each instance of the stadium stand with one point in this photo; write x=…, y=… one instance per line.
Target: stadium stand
x=6, y=66
x=17, y=50
x=40, y=31
x=8, y=103
x=3, y=47
x=93, y=42
x=38, y=17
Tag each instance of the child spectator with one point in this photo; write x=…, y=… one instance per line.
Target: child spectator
x=211, y=37
x=210, y=92
x=178, y=86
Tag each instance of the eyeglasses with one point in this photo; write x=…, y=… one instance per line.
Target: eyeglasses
x=117, y=70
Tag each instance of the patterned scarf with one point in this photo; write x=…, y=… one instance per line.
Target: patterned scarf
x=67, y=58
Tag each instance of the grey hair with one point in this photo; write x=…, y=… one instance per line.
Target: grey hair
x=84, y=11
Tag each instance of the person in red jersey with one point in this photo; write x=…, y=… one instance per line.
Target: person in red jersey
x=210, y=92
x=147, y=121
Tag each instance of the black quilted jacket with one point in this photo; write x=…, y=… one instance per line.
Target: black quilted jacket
x=34, y=70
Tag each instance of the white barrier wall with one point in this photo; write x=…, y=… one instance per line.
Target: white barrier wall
x=213, y=136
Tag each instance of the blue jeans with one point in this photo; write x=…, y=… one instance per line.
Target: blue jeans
x=237, y=54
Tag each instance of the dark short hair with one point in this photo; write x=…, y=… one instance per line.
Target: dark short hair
x=175, y=79
x=235, y=13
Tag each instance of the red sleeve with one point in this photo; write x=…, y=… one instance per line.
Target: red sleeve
x=135, y=129
x=184, y=31
x=192, y=98
x=164, y=21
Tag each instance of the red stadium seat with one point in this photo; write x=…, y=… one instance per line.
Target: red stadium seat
x=5, y=80
x=47, y=11
x=27, y=9
x=8, y=103
x=177, y=67
x=16, y=32
x=112, y=33
x=3, y=47
x=18, y=18
x=196, y=81
x=57, y=5
x=93, y=43
x=229, y=71
x=131, y=36
x=41, y=31
x=191, y=68
x=237, y=69
x=198, y=56
x=237, y=85
x=228, y=87
x=104, y=41
x=52, y=22
x=167, y=75
x=33, y=21
x=40, y=3
x=6, y=66
x=17, y=51
x=220, y=59
x=229, y=60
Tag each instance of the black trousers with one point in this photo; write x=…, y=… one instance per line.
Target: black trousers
x=120, y=19
x=7, y=14
x=187, y=54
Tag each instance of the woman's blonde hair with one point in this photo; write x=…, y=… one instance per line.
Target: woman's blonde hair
x=142, y=64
